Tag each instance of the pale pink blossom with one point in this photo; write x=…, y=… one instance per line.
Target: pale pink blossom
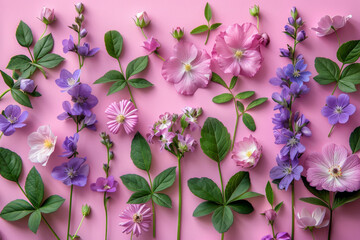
x=151, y=44
x=47, y=15
x=306, y=220
x=328, y=25
x=247, y=152
x=137, y=219
x=122, y=114
x=42, y=145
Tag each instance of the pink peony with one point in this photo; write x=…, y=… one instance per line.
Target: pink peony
x=124, y=114
x=328, y=25
x=334, y=170
x=151, y=44
x=306, y=220
x=189, y=68
x=237, y=50
x=247, y=152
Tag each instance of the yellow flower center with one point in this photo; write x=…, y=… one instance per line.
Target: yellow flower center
x=335, y=171
x=137, y=218
x=249, y=153
x=48, y=143
x=238, y=53
x=296, y=73
x=187, y=67
x=120, y=118
x=71, y=81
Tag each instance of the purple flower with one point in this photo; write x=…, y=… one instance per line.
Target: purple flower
x=301, y=126
x=297, y=73
x=68, y=45
x=73, y=172
x=191, y=117
x=104, y=185
x=70, y=146
x=281, y=120
x=89, y=122
x=283, y=236
x=290, y=30
x=281, y=98
x=291, y=21
x=267, y=237
x=299, y=21
x=83, y=33
x=284, y=52
x=68, y=111
x=264, y=39
x=287, y=170
x=280, y=79
x=338, y=110
x=292, y=141
x=83, y=99
x=166, y=139
x=296, y=90
x=85, y=50
x=270, y=215
x=68, y=80
x=186, y=143
x=27, y=85
x=301, y=36
x=12, y=118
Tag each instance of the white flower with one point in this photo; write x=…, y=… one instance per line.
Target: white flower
x=42, y=145
x=315, y=220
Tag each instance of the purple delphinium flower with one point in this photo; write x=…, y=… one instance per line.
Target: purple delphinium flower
x=301, y=36
x=281, y=120
x=89, y=122
x=12, y=119
x=186, y=143
x=73, y=172
x=68, y=111
x=287, y=170
x=281, y=98
x=70, y=146
x=280, y=79
x=85, y=50
x=301, y=126
x=27, y=85
x=108, y=185
x=68, y=80
x=68, y=45
x=292, y=141
x=297, y=73
x=284, y=52
x=83, y=99
x=166, y=139
x=290, y=30
x=338, y=110
x=296, y=90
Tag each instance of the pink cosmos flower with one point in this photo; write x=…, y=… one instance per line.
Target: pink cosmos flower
x=328, y=25
x=124, y=114
x=237, y=50
x=334, y=170
x=151, y=44
x=137, y=219
x=188, y=69
x=306, y=220
x=247, y=152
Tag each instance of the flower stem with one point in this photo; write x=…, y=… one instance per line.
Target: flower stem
x=32, y=58
x=207, y=36
x=222, y=191
x=312, y=234
x=46, y=26
x=157, y=54
x=237, y=121
x=337, y=35
x=2, y=133
x=332, y=128
x=292, y=210
x=258, y=23
x=106, y=215
x=336, y=85
x=330, y=223
x=272, y=229
x=222, y=236
x=132, y=233
x=69, y=219
x=131, y=96
x=180, y=199
x=5, y=93
x=142, y=30
x=78, y=229
x=153, y=207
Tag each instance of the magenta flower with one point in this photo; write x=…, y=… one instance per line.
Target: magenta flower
x=151, y=44
x=327, y=25
x=270, y=215
x=334, y=170
x=104, y=185
x=279, y=236
x=307, y=220
x=191, y=117
x=188, y=69
x=237, y=50
x=166, y=139
x=247, y=152
x=122, y=114
x=137, y=219
x=186, y=143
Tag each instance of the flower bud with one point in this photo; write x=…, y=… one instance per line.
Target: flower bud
x=74, y=27
x=151, y=45
x=301, y=36
x=294, y=12
x=85, y=210
x=27, y=85
x=79, y=7
x=83, y=33
x=103, y=135
x=270, y=215
x=178, y=33
x=299, y=22
x=264, y=39
x=199, y=112
x=142, y=19
x=291, y=21
x=284, y=52
x=111, y=155
x=47, y=15
x=254, y=11
x=290, y=30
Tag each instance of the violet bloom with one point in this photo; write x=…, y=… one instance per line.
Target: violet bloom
x=151, y=44
x=83, y=99
x=89, y=122
x=279, y=236
x=286, y=171
x=83, y=32
x=281, y=98
x=27, y=85
x=191, y=116
x=281, y=120
x=166, y=139
x=68, y=80
x=68, y=111
x=301, y=126
x=328, y=25
x=85, y=50
x=68, y=45
x=186, y=143
x=297, y=73
x=70, y=146
x=292, y=141
x=137, y=219
x=280, y=79
x=73, y=172
x=290, y=30
x=108, y=185
x=297, y=90
x=12, y=119
x=284, y=52
x=301, y=36
x=338, y=110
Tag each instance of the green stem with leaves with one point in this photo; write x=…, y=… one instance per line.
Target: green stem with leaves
x=207, y=36
x=222, y=191
x=180, y=198
x=46, y=26
x=127, y=85
x=153, y=207
x=69, y=218
x=236, y=123
x=8, y=90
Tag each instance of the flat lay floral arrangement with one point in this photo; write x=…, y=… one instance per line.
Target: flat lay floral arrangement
x=121, y=132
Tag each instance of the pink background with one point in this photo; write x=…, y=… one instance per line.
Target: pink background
x=108, y=15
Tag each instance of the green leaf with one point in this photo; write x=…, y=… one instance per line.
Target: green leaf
x=277, y=207
x=240, y=106
x=24, y=35
x=20, y=62
x=164, y=180
x=207, y=12
x=111, y=76
x=206, y=189
x=215, y=26
x=323, y=194
x=248, y=195
x=205, y=208
x=222, y=98
x=162, y=200
x=136, y=66
x=200, y=29
x=43, y=46
x=50, y=60
x=242, y=207
x=16, y=210
x=327, y=69
x=233, y=82
x=314, y=201
x=349, y=52
x=215, y=139
x=28, y=72
x=139, y=197
x=244, y=95
x=10, y=165
x=249, y=121
x=269, y=193
x=256, y=103
x=140, y=152
x=21, y=97
x=34, y=221
x=135, y=183
x=354, y=140
x=222, y=219
x=217, y=79
x=7, y=79
x=342, y=198
x=346, y=86
x=237, y=185
x=51, y=204
x=117, y=86
x=113, y=43
x=351, y=73
x=140, y=83
x=34, y=187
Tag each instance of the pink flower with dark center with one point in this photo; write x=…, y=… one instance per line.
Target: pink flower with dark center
x=188, y=69
x=151, y=44
x=237, y=50
x=122, y=114
x=247, y=152
x=328, y=25
x=137, y=219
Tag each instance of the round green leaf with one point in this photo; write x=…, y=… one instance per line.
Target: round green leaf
x=346, y=87
x=327, y=69
x=50, y=60
x=269, y=193
x=139, y=197
x=140, y=152
x=217, y=79
x=117, y=86
x=20, y=62
x=207, y=12
x=10, y=165
x=240, y=106
x=222, y=219
x=351, y=73
x=52, y=204
x=233, y=82
x=342, y=198
x=162, y=200
x=237, y=185
x=113, y=43
x=215, y=26
x=24, y=35
x=7, y=79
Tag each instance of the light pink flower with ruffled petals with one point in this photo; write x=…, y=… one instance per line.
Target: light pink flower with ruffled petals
x=188, y=69
x=122, y=114
x=327, y=25
x=247, y=152
x=306, y=220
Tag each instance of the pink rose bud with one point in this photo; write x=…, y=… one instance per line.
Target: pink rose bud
x=264, y=39
x=178, y=33
x=270, y=215
x=151, y=44
x=142, y=19
x=79, y=7
x=47, y=15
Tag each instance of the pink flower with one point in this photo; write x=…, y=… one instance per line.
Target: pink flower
x=189, y=68
x=151, y=44
x=137, y=219
x=122, y=113
x=47, y=15
x=237, y=50
x=306, y=220
x=142, y=19
x=186, y=143
x=334, y=170
x=328, y=25
x=247, y=152
x=270, y=215
x=166, y=139
x=42, y=145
